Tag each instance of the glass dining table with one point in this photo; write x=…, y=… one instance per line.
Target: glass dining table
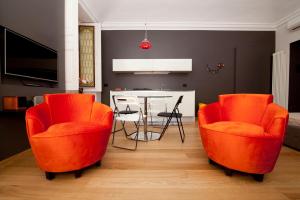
x=147, y=135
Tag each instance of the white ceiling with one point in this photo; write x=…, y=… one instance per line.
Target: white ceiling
x=191, y=11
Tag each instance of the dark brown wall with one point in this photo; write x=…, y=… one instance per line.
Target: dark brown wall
x=246, y=55
x=13, y=137
x=47, y=28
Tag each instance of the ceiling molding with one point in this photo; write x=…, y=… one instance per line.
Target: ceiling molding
x=188, y=26
x=284, y=20
x=182, y=25
x=88, y=11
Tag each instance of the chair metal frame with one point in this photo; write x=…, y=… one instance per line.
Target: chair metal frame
x=175, y=113
x=124, y=113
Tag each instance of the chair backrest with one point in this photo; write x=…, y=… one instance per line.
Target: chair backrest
x=69, y=107
x=179, y=101
x=114, y=102
x=244, y=107
x=124, y=102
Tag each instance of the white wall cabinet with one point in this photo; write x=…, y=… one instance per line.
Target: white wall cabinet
x=152, y=65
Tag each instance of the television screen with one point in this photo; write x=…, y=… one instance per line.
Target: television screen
x=29, y=59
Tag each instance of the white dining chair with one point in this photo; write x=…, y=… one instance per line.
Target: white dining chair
x=127, y=109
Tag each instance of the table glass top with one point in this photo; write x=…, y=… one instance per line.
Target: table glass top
x=156, y=96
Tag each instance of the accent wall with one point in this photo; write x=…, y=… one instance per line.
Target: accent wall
x=247, y=56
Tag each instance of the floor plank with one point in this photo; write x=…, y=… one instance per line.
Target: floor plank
x=165, y=169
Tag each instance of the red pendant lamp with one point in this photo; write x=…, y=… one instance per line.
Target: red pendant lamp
x=145, y=43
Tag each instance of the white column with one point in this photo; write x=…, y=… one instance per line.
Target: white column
x=71, y=46
x=280, y=79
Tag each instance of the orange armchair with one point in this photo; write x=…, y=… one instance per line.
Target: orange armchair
x=68, y=132
x=243, y=132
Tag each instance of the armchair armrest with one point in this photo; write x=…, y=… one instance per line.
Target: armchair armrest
x=278, y=127
x=103, y=114
x=38, y=119
x=275, y=120
x=209, y=113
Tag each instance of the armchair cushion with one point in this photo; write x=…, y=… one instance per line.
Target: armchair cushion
x=69, y=146
x=236, y=128
x=68, y=129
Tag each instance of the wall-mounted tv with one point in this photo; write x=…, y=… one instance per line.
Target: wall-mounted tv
x=26, y=58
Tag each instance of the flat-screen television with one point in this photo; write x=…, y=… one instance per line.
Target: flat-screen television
x=26, y=58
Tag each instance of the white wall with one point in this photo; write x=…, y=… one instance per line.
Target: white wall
x=71, y=45
x=283, y=39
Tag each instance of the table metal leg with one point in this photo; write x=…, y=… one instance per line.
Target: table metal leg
x=147, y=136
x=145, y=118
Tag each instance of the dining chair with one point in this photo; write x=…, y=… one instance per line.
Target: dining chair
x=132, y=113
x=174, y=114
x=123, y=109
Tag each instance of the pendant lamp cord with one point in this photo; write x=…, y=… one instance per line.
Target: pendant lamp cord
x=146, y=32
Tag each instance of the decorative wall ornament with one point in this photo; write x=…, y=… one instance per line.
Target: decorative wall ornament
x=215, y=69
x=86, y=56
x=145, y=43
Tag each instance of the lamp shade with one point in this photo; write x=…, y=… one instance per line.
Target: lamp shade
x=145, y=44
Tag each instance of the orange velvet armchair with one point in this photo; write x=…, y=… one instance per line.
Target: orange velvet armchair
x=243, y=132
x=68, y=132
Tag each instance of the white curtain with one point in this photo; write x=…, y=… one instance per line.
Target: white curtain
x=280, y=79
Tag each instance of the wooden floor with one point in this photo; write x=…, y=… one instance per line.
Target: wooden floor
x=163, y=169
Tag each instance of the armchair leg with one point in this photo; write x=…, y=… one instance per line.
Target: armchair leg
x=98, y=163
x=78, y=173
x=49, y=175
x=258, y=177
x=210, y=161
x=228, y=172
